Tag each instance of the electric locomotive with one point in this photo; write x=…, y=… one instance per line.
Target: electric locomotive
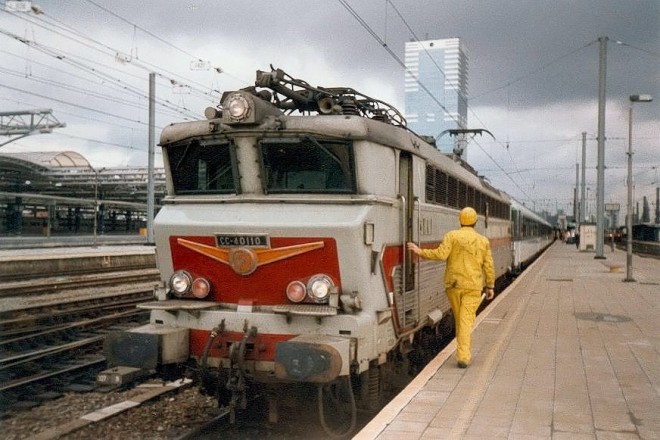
x=281, y=244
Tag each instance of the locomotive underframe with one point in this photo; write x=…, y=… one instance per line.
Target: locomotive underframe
x=355, y=329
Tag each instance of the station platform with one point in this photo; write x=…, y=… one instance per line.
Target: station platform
x=569, y=351
x=17, y=242
x=26, y=263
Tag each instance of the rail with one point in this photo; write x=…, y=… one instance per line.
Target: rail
x=52, y=329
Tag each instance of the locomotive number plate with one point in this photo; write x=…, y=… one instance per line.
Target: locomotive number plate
x=244, y=240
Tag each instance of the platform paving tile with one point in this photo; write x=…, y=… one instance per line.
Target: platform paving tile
x=533, y=416
x=573, y=416
x=485, y=417
x=446, y=383
x=532, y=424
x=423, y=407
x=538, y=406
x=615, y=435
x=417, y=416
x=398, y=435
x=608, y=417
x=484, y=428
x=645, y=433
x=430, y=398
x=504, y=386
x=518, y=436
x=407, y=426
x=569, y=351
x=434, y=433
x=445, y=418
x=558, y=435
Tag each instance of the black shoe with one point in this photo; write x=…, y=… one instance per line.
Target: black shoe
x=462, y=364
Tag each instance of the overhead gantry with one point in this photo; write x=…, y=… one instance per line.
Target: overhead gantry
x=24, y=123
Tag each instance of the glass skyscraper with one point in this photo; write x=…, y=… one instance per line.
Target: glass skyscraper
x=437, y=68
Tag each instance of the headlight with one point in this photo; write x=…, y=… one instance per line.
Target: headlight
x=180, y=283
x=241, y=107
x=296, y=291
x=318, y=287
x=200, y=288
x=238, y=107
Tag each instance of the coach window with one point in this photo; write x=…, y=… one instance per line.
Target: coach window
x=515, y=221
x=307, y=165
x=202, y=168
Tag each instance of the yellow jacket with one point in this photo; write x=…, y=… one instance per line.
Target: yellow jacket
x=468, y=259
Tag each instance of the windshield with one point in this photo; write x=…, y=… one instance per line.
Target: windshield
x=202, y=168
x=307, y=166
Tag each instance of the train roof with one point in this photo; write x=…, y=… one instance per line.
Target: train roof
x=338, y=127
x=528, y=212
x=340, y=113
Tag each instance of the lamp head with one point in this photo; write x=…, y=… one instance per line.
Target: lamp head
x=641, y=98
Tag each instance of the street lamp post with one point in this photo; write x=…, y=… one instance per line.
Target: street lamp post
x=96, y=204
x=629, y=211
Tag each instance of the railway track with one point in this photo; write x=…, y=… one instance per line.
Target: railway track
x=52, y=329
x=55, y=284
x=29, y=314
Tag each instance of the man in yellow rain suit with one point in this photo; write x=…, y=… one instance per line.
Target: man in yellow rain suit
x=469, y=269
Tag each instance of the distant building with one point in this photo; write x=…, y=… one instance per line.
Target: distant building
x=62, y=193
x=441, y=66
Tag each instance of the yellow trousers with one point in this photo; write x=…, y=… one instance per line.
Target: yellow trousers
x=464, y=305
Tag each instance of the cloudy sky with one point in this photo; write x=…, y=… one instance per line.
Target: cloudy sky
x=533, y=74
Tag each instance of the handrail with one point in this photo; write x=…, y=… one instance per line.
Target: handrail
x=404, y=228
x=419, y=235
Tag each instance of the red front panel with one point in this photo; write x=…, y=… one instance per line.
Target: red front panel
x=259, y=348
x=266, y=285
x=392, y=257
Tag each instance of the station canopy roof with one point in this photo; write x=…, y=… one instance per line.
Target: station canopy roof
x=49, y=159
x=67, y=175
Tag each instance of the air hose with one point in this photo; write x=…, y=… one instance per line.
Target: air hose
x=325, y=426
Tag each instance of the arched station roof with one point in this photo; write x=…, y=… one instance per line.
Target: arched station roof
x=44, y=160
x=69, y=174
